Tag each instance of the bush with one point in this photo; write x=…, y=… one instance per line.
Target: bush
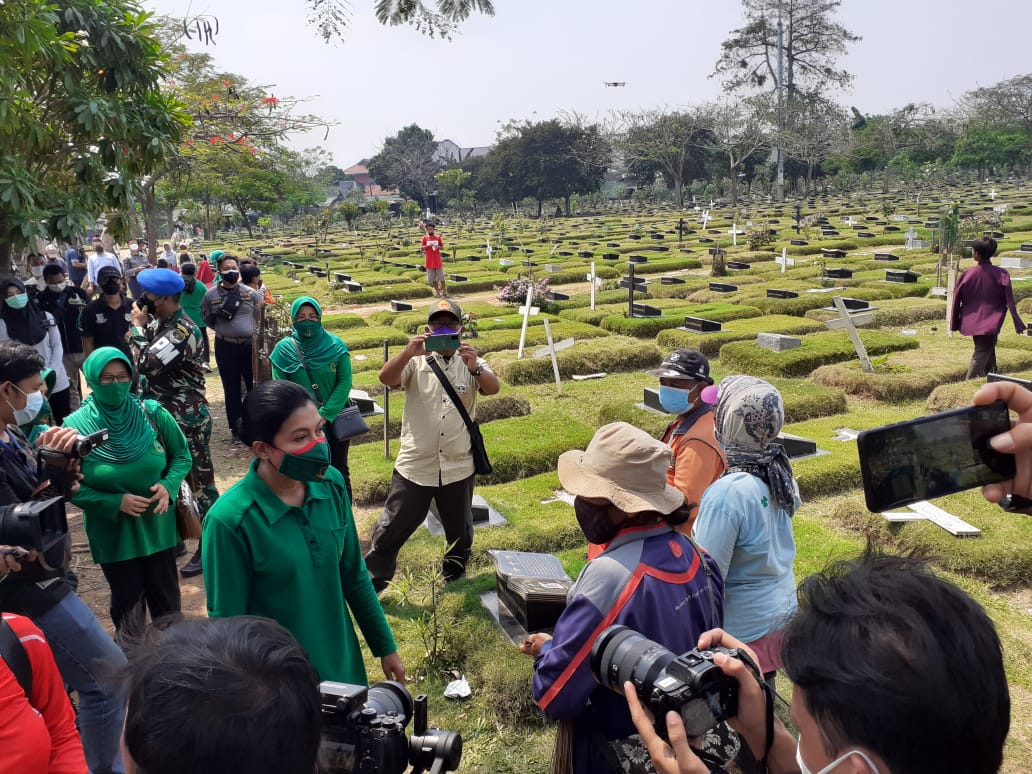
x=385, y=293
x=710, y=344
x=648, y=327
x=893, y=313
x=515, y=291
x=612, y=353
x=817, y=349
x=371, y=337
x=342, y=321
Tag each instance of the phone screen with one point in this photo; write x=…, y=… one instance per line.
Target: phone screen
x=444, y=341
x=933, y=456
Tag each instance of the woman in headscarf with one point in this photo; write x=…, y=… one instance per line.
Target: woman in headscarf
x=22, y=320
x=128, y=492
x=320, y=362
x=745, y=519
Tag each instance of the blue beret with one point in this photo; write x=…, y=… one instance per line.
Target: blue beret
x=160, y=282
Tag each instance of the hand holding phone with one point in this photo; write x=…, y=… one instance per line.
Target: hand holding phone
x=443, y=342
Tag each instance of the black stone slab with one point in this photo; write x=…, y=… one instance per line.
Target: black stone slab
x=340, y=276
x=644, y=310
x=722, y=287
x=458, y=277
x=651, y=399
x=671, y=281
x=774, y=293
x=739, y=265
x=401, y=306
x=555, y=295
x=701, y=325
x=637, y=259
x=900, y=275
x=885, y=257
x=798, y=242
x=838, y=273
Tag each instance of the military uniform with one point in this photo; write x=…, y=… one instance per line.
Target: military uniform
x=168, y=358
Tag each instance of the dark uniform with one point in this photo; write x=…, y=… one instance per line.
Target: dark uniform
x=169, y=362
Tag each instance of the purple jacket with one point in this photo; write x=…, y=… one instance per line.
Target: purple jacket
x=981, y=300
x=650, y=579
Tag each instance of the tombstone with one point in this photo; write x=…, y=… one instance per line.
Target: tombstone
x=838, y=273
x=553, y=267
x=320, y=273
x=900, y=275
x=531, y=587
x=458, y=277
x=401, y=306
x=774, y=293
x=700, y=325
x=658, y=249
x=634, y=236
x=339, y=276
x=610, y=256
x=312, y=269
x=529, y=263
x=639, y=284
x=612, y=244
x=798, y=242
x=1026, y=247
x=885, y=257
x=637, y=259
x=722, y=287
x=890, y=229
x=933, y=513
x=651, y=400
x=585, y=253
x=644, y=310
x=1015, y=262
x=353, y=287
x=739, y=265
x=796, y=447
x=777, y=342
x=828, y=252
x=705, y=241
x=555, y=295
x=855, y=303
x=865, y=235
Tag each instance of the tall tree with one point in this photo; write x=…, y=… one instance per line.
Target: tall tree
x=813, y=41
x=816, y=130
x=672, y=144
x=82, y=116
x=439, y=18
x=408, y=161
x=1008, y=102
x=737, y=131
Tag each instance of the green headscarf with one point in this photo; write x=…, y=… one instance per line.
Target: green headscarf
x=320, y=346
x=112, y=406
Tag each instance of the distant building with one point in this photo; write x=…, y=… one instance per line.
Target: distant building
x=450, y=152
x=359, y=173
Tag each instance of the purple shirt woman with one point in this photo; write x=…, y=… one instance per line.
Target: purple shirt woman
x=980, y=303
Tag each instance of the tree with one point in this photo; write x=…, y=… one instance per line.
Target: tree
x=453, y=181
x=983, y=149
x=437, y=19
x=1008, y=102
x=670, y=144
x=812, y=43
x=82, y=116
x=815, y=131
x=737, y=132
x=408, y=162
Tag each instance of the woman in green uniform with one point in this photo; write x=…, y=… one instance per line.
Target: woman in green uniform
x=282, y=543
x=190, y=299
x=128, y=492
x=313, y=355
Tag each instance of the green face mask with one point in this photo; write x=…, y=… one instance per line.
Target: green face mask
x=307, y=329
x=19, y=301
x=307, y=464
x=112, y=394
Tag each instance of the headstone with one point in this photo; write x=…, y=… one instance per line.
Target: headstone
x=339, y=276
x=798, y=242
x=700, y=325
x=796, y=447
x=353, y=287
x=739, y=265
x=532, y=587
x=639, y=283
x=457, y=277
x=925, y=510
x=553, y=267
x=529, y=263
x=401, y=306
x=722, y=287
x=644, y=310
x=777, y=342
x=838, y=273
x=1015, y=262
x=651, y=400
x=637, y=259
x=774, y=293
x=900, y=275
x=885, y=257
x=506, y=262
x=1026, y=247
x=555, y=295
x=828, y=252
x=671, y=281
x=858, y=319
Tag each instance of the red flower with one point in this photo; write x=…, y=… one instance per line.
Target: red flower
x=271, y=101
x=215, y=140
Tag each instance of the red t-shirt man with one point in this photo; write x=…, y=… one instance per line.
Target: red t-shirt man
x=432, y=245
x=37, y=736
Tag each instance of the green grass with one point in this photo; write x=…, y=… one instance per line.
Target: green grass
x=649, y=327
x=611, y=353
x=710, y=344
x=817, y=349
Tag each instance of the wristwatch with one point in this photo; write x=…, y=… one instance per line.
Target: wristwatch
x=479, y=371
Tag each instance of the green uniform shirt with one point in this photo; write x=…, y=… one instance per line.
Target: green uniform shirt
x=298, y=565
x=115, y=536
x=334, y=382
x=191, y=303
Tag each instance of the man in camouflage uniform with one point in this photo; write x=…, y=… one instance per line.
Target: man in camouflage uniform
x=168, y=357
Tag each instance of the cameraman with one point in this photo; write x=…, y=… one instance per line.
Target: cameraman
x=896, y=671
x=216, y=695
x=82, y=649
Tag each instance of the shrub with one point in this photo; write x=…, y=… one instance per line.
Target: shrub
x=648, y=327
x=385, y=293
x=896, y=312
x=371, y=337
x=342, y=321
x=817, y=349
x=515, y=290
x=739, y=330
x=612, y=353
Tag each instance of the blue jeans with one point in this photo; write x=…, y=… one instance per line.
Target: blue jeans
x=88, y=660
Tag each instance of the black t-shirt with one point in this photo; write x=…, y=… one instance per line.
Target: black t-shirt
x=108, y=327
x=65, y=307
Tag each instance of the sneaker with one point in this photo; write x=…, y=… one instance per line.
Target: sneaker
x=206, y=368
x=193, y=567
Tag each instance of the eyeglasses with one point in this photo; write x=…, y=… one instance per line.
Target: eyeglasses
x=120, y=379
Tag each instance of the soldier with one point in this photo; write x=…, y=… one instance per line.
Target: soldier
x=169, y=361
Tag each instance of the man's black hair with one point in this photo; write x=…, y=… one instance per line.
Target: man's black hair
x=984, y=248
x=249, y=272
x=209, y=696
x=53, y=268
x=901, y=663
x=18, y=361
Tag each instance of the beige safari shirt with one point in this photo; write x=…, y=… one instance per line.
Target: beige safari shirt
x=435, y=445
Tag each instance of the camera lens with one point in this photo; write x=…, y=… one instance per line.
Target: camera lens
x=390, y=698
x=620, y=654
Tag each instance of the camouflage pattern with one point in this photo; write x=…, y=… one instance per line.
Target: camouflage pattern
x=168, y=357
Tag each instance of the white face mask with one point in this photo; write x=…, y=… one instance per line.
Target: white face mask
x=804, y=770
x=33, y=404
x=56, y=287
x=37, y=271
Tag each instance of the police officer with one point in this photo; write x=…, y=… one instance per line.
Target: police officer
x=168, y=356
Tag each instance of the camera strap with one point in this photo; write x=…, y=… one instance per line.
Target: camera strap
x=709, y=581
x=14, y=655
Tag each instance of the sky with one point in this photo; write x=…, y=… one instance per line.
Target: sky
x=534, y=60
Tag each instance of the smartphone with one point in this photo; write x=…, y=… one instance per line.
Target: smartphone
x=933, y=456
x=444, y=341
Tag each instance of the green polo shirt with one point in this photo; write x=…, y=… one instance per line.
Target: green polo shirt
x=299, y=565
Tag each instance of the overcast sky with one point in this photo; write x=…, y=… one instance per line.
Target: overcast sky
x=535, y=59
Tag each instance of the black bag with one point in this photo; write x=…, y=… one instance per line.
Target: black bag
x=12, y=652
x=481, y=464
x=230, y=304
x=349, y=422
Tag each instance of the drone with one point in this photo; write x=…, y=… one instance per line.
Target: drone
x=613, y=84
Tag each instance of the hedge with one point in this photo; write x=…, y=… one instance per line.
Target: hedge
x=386, y=293
x=817, y=349
x=340, y=321
x=498, y=340
x=740, y=330
x=896, y=312
x=649, y=327
x=609, y=354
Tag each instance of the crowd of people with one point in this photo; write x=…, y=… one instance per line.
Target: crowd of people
x=691, y=544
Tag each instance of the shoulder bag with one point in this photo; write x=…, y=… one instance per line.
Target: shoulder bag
x=12, y=652
x=188, y=516
x=349, y=422
x=481, y=464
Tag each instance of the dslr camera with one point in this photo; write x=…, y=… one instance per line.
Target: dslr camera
x=364, y=731
x=40, y=525
x=690, y=684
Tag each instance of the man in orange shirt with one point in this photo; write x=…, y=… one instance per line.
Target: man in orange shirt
x=432, y=244
x=698, y=460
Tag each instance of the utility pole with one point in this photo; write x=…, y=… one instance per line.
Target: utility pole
x=780, y=187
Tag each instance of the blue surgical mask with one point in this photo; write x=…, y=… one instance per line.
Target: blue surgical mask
x=19, y=301
x=33, y=404
x=675, y=400
x=831, y=766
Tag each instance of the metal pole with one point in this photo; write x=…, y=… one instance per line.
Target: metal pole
x=630, y=294
x=526, y=318
x=592, y=279
x=386, y=409
x=780, y=189
x=551, y=352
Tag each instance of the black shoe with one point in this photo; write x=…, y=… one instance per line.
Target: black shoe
x=451, y=577
x=193, y=567
x=180, y=549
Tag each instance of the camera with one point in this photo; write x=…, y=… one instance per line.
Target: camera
x=690, y=684
x=57, y=465
x=364, y=731
x=40, y=525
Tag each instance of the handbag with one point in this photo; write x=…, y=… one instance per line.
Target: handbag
x=481, y=464
x=349, y=423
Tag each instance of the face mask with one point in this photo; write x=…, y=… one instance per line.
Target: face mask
x=33, y=404
x=111, y=288
x=230, y=277
x=144, y=302
x=804, y=770
x=98, y=250
x=56, y=287
x=307, y=464
x=594, y=521
x=444, y=331
x=19, y=301
x=675, y=400
x=112, y=394
x=37, y=271
x=306, y=329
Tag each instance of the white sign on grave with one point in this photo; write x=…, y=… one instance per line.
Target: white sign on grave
x=559, y=346
x=992, y=194
x=783, y=260
x=933, y=513
x=489, y=251
x=911, y=236
x=533, y=310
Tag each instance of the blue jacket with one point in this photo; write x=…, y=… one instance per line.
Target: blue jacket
x=650, y=579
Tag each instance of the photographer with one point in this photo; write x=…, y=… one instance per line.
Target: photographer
x=896, y=671
x=82, y=649
x=210, y=696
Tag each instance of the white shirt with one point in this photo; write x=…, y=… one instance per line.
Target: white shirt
x=96, y=262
